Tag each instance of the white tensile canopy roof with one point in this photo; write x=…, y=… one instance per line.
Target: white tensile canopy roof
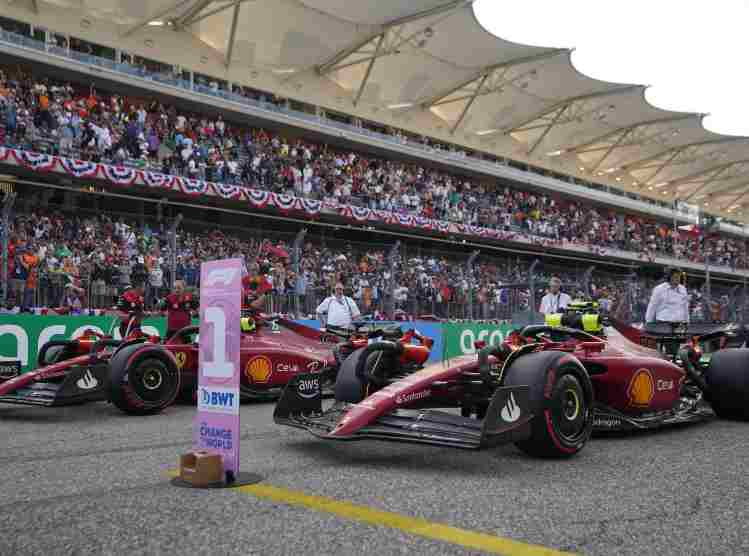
x=428, y=66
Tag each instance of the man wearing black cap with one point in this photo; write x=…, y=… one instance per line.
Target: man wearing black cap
x=669, y=301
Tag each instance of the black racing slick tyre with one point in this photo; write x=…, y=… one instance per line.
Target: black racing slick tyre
x=561, y=401
x=146, y=385
x=727, y=378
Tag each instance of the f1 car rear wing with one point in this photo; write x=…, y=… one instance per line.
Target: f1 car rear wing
x=507, y=419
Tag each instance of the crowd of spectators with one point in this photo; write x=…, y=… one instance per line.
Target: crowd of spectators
x=41, y=114
x=72, y=262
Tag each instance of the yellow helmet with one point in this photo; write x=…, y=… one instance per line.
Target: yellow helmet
x=247, y=324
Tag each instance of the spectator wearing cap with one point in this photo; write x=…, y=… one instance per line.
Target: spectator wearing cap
x=555, y=300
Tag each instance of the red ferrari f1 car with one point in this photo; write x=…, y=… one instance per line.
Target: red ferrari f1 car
x=545, y=388
x=142, y=376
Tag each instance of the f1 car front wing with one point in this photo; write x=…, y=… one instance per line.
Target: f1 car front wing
x=426, y=426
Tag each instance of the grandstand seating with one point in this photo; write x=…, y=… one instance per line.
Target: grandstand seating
x=40, y=114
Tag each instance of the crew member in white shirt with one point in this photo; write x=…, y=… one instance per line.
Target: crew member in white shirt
x=555, y=300
x=338, y=310
x=669, y=301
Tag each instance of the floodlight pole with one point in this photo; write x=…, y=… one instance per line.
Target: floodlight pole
x=7, y=210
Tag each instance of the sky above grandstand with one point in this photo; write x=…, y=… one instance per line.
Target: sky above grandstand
x=691, y=54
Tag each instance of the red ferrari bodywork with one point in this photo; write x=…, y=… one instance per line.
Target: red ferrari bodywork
x=632, y=387
x=269, y=355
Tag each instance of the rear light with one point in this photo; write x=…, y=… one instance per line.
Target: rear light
x=479, y=344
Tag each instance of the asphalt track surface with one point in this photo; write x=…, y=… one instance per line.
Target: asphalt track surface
x=89, y=480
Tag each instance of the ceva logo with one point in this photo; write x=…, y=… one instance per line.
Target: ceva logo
x=219, y=400
x=223, y=276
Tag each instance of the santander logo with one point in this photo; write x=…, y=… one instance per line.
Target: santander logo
x=511, y=411
x=412, y=397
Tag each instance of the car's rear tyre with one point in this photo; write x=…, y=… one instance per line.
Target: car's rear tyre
x=561, y=401
x=727, y=378
x=147, y=386
x=357, y=378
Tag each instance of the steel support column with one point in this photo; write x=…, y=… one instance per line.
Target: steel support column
x=173, y=249
x=7, y=211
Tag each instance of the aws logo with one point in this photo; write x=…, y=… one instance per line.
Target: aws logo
x=641, y=389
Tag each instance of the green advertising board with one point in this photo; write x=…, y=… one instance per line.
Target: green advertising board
x=458, y=338
x=22, y=336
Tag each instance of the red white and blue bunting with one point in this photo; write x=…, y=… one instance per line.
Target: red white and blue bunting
x=79, y=168
x=155, y=179
x=226, y=191
x=257, y=199
x=37, y=162
x=121, y=175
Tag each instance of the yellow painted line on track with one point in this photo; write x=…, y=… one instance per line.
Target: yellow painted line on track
x=411, y=525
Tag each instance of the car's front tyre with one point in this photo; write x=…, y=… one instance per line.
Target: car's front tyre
x=561, y=400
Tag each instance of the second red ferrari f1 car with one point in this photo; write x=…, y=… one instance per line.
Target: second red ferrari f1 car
x=545, y=388
x=141, y=375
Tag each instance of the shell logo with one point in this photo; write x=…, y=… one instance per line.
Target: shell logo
x=641, y=389
x=258, y=369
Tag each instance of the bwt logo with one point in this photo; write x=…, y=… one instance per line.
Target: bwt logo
x=218, y=400
x=223, y=276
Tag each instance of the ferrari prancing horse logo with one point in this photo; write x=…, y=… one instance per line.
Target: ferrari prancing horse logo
x=181, y=358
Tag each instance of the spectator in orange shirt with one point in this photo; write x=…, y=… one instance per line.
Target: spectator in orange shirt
x=30, y=263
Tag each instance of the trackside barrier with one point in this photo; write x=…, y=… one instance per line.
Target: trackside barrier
x=22, y=336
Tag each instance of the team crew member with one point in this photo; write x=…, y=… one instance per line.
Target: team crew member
x=554, y=301
x=130, y=305
x=669, y=301
x=338, y=310
x=254, y=290
x=179, y=307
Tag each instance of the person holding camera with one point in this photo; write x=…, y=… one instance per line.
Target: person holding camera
x=337, y=310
